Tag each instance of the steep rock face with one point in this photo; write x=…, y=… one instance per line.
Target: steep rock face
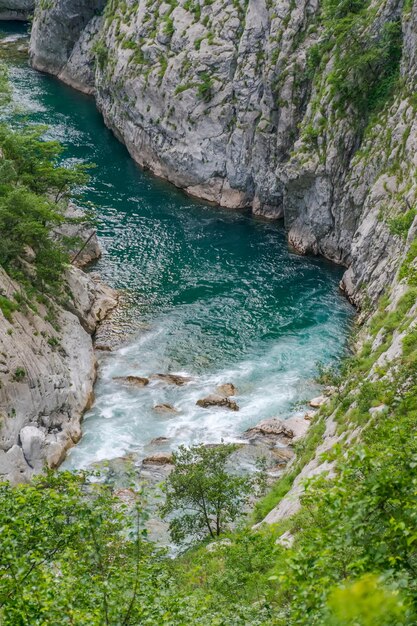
x=191, y=96
x=56, y=34
x=237, y=104
x=16, y=9
x=47, y=371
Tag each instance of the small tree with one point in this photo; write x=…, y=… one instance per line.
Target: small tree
x=202, y=495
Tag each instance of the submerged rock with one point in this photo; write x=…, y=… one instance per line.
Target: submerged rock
x=220, y=401
x=159, y=440
x=164, y=408
x=172, y=379
x=228, y=389
x=137, y=381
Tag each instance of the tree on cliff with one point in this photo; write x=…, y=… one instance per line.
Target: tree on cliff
x=203, y=497
x=34, y=190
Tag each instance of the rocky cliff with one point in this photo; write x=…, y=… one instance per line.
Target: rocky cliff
x=16, y=9
x=47, y=371
x=297, y=109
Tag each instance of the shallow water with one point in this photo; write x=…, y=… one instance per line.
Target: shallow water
x=210, y=293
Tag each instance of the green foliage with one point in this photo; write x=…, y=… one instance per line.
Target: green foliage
x=366, y=602
x=365, y=53
x=101, y=53
x=5, y=92
x=34, y=163
x=202, y=497
x=401, y=224
x=205, y=88
x=70, y=554
x=366, y=66
x=408, y=268
x=34, y=190
x=19, y=374
x=7, y=307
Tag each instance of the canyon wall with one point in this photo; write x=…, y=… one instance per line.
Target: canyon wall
x=260, y=104
x=16, y=9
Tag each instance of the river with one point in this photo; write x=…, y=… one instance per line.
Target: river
x=209, y=293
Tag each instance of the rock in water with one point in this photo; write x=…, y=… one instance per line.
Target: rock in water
x=278, y=431
x=165, y=408
x=228, y=389
x=137, y=381
x=219, y=401
x=172, y=379
x=157, y=441
x=159, y=458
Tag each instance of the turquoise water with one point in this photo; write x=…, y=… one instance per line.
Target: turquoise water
x=210, y=293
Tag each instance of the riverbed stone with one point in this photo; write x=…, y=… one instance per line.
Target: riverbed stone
x=135, y=381
x=217, y=401
x=172, y=379
x=165, y=408
x=157, y=441
x=159, y=458
x=274, y=430
x=226, y=390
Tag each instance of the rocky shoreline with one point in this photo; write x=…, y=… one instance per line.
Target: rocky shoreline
x=48, y=368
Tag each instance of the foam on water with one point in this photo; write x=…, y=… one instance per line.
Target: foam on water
x=209, y=293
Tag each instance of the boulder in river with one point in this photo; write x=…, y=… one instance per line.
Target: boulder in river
x=165, y=408
x=136, y=381
x=172, y=379
x=278, y=431
x=159, y=458
x=159, y=441
x=225, y=390
x=220, y=401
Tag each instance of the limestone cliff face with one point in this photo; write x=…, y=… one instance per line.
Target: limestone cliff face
x=16, y=9
x=223, y=100
x=47, y=372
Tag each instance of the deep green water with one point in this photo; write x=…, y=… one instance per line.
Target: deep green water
x=211, y=293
